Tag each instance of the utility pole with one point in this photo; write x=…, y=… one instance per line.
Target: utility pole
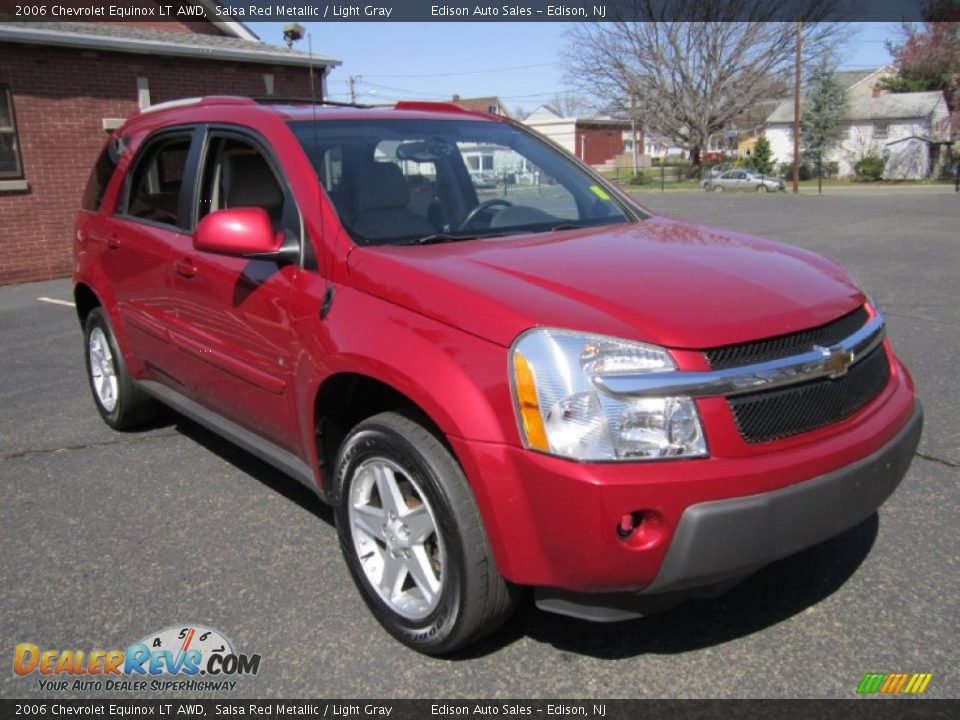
x=633, y=127
x=352, y=81
x=796, y=113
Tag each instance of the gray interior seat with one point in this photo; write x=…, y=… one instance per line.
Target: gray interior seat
x=249, y=182
x=382, y=205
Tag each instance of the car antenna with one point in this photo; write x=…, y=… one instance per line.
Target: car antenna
x=328, y=291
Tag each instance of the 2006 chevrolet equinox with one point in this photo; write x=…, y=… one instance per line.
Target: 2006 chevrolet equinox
x=526, y=382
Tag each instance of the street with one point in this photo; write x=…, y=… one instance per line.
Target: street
x=110, y=536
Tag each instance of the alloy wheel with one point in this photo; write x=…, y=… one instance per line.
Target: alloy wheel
x=102, y=370
x=396, y=538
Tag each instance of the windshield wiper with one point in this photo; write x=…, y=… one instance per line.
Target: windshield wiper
x=436, y=238
x=569, y=226
x=448, y=237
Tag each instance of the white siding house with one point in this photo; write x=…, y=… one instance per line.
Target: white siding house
x=549, y=123
x=875, y=126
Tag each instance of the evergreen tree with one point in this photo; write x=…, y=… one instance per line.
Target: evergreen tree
x=762, y=158
x=822, y=112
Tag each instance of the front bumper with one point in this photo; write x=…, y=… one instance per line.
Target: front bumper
x=723, y=540
x=552, y=522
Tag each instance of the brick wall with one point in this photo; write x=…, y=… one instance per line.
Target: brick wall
x=597, y=145
x=60, y=99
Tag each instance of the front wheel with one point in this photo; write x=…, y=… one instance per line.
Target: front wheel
x=761, y=189
x=718, y=189
x=413, y=539
x=121, y=404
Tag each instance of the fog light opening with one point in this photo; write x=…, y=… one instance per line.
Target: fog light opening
x=628, y=524
x=642, y=529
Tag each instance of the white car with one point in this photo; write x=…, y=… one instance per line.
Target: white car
x=740, y=180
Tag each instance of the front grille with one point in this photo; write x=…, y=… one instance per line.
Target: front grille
x=786, y=345
x=777, y=414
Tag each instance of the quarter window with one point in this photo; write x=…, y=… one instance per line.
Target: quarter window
x=102, y=172
x=11, y=166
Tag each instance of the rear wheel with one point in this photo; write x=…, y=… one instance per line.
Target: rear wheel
x=413, y=538
x=121, y=404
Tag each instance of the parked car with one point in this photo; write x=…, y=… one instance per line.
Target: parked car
x=550, y=388
x=719, y=169
x=741, y=180
x=483, y=181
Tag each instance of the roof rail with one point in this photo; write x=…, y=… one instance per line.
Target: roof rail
x=267, y=99
x=447, y=107
x=207, y=100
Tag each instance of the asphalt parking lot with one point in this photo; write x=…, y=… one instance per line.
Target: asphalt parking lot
x=108, y=536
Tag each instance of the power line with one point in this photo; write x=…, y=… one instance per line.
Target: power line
x=470, y=72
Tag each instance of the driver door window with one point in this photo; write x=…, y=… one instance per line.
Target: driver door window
x=236, y=174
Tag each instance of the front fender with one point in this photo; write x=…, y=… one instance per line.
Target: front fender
x=459, y=380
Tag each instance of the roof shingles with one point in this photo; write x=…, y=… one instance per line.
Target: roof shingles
x=889, y=106
x=124, y=37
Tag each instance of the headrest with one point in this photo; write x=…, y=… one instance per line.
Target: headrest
x=382, y=185
x=249, y=182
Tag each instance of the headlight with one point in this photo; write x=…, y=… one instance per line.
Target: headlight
x=562, y=412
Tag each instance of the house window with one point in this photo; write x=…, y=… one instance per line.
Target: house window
x=10, y=165
x=880, y=130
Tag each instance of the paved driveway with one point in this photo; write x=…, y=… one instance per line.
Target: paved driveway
x=109, y=536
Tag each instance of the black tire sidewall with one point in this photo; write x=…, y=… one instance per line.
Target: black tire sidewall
x=97, y=319
x=376, y=440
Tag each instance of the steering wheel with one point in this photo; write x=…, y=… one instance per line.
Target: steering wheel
x=485, y=205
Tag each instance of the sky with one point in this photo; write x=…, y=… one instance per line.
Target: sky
x=519, y=62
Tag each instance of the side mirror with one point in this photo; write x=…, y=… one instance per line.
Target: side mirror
x=241, y=232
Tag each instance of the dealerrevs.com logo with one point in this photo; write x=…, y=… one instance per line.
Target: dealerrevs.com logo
x=181, y=657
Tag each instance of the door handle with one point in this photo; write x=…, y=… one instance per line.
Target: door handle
x=113, y=242
x=185, y=268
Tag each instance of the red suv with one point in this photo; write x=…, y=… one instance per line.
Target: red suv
x=524, y=382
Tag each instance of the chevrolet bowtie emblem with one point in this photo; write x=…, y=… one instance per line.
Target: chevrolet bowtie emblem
x=836, y=360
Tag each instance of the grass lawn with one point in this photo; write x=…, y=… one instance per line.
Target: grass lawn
x=806, y=186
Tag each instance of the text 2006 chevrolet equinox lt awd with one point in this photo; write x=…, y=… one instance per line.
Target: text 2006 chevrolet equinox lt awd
x=528, y=381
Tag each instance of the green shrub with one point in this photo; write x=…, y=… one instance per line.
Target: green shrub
x=762, y=158
x=786, y=171
x=830, y=169
x=869, y=169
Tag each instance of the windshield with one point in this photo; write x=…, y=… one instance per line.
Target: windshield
x=415, y=181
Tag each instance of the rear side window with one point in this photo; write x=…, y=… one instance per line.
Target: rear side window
x=154, y=190
x=102, y=172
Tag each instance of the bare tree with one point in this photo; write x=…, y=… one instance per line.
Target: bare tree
x=569, y=104
x=688, y=80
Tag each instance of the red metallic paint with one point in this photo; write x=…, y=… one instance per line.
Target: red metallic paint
x=665, y=273
x=434, y=322
x=236, y=231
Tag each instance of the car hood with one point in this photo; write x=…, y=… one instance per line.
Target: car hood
x=663, y=281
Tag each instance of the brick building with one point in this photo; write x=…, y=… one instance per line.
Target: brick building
x=64, y=86
x=596, y=141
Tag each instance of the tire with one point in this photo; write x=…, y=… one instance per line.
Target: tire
x=121, y=404
x=761, y=189
x=443, y=590
x=718, y=189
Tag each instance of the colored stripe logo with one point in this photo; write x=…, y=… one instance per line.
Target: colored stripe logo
x=894, y=683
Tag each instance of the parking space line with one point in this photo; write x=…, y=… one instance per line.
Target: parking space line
x=54, y=301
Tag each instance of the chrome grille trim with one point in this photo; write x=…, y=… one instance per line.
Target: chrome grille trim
x=817, y=363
